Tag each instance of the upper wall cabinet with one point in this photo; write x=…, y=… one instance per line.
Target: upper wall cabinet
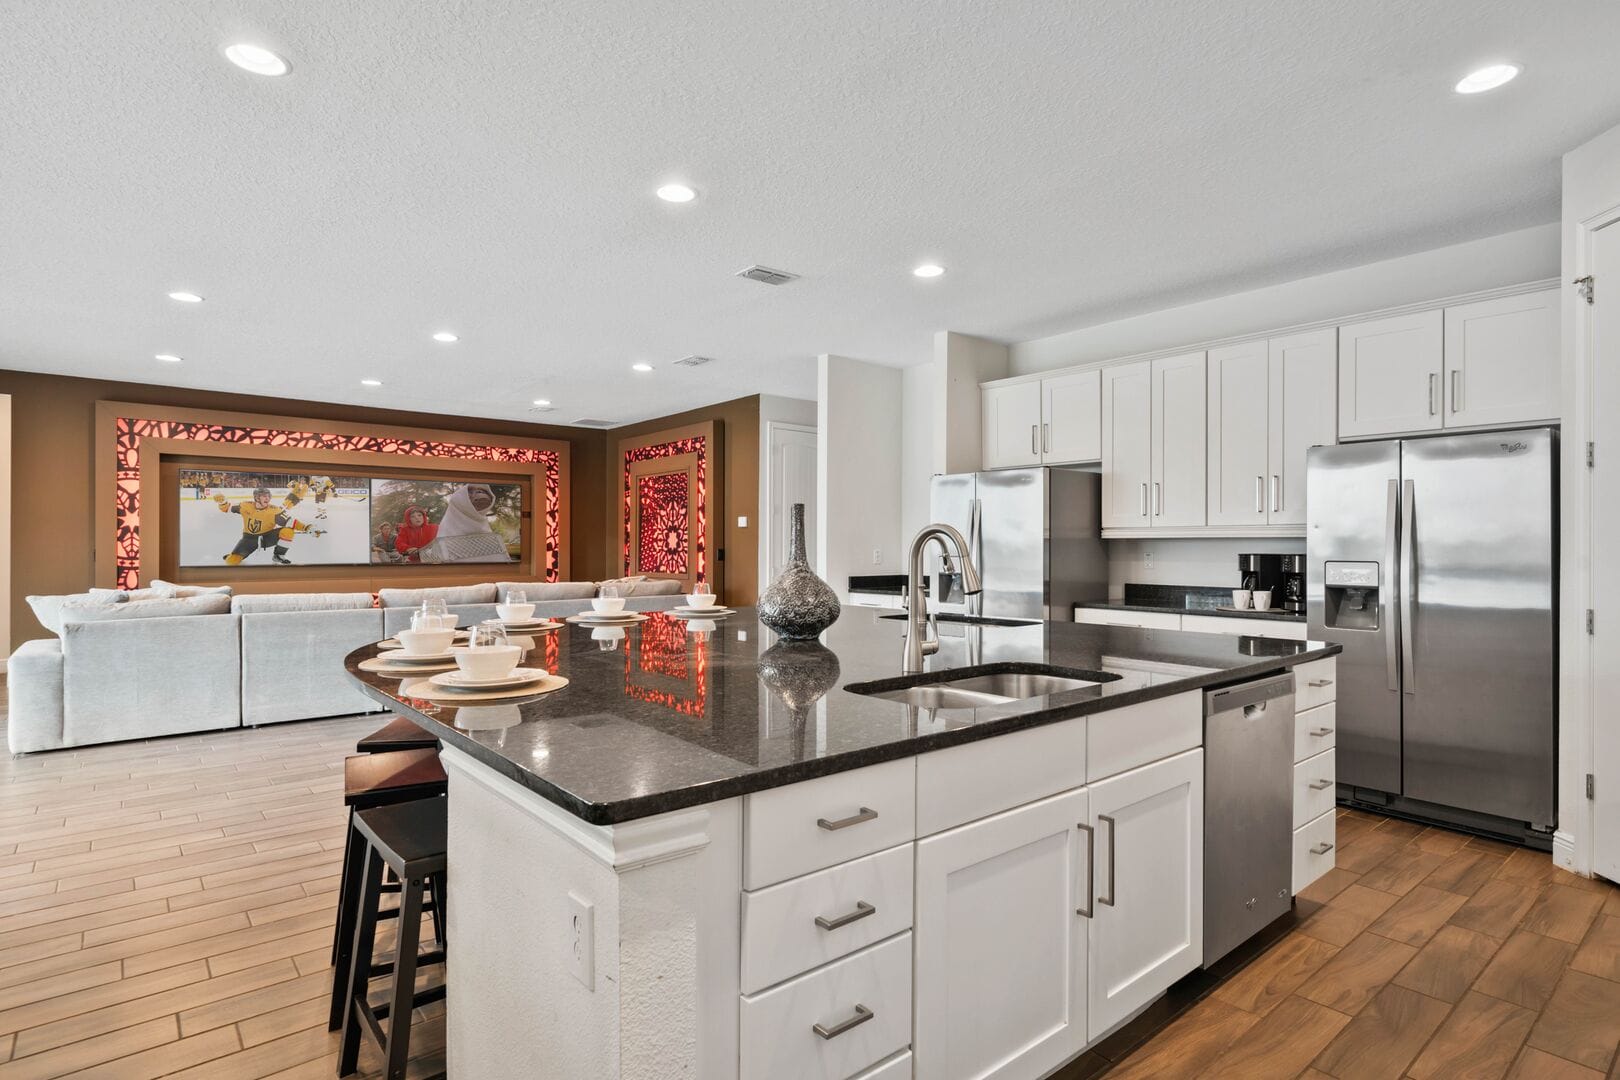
x=1056, y=421
x=1153, y=452
x=1127, y=446
x=1389, y=375
x=1239, y=440
x=1304, y=413
x=1502, y=361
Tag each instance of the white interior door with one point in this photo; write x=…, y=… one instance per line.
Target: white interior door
x=1239, y=415
x=791, y=479
x=1603, y=363
x=1001, y=943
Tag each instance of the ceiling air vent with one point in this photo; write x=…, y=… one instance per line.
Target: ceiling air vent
x=586, y=421
x=694, y=361
x=767, y=275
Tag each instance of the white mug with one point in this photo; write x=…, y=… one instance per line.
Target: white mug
x=1240, y=598
x=1262, y=600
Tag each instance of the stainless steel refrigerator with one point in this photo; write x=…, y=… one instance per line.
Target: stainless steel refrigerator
x=1434, y=563
x=1034, y=536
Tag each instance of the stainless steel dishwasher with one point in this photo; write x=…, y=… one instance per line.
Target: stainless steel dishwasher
x=1248, y=810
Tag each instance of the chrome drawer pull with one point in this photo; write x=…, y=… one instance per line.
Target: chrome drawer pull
x=862, y=1015
x=1319, y=683
x=866, y=814
x=1322, y=849
x=1321, y=731
x=1320, y=784
x=862, y=910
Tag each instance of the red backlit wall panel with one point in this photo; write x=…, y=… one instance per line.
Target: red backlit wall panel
x=658, y=502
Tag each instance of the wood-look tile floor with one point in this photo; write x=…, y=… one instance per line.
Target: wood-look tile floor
x=166, y=908
x=1425, y=954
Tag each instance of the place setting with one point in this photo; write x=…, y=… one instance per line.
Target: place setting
x=488, y=667
x=607, y=610
x=701, y=606
x=516, y=615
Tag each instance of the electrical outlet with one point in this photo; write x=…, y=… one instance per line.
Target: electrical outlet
x=877, y=556
x=1147, y=558
x=582, y=940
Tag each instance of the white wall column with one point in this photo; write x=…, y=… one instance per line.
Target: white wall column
x=858, y=420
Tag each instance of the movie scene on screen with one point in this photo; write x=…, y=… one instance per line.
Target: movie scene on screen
x=433, y=522
x=261, y=518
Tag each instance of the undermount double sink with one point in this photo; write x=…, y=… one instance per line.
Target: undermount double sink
x=977, y=688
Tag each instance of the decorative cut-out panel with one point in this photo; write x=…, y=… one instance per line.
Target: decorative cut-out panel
x=695, y=553
x=130, y=431
x=662, y=514
x=663, y=666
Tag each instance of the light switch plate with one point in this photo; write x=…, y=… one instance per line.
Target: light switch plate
x=742, y=522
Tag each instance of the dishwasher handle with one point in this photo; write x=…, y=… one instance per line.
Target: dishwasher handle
x=1249, y=694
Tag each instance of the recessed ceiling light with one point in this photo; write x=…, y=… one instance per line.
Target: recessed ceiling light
x=929, y=270
x=167, y=358
x=257, y=59
x=676, y=193
x=641, y=367
x=370, y=382
x=445, y=336
x=186, y=297
x=1487, y=78
x=542, y=402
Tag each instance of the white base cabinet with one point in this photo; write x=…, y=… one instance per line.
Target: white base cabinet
x=1000, y=986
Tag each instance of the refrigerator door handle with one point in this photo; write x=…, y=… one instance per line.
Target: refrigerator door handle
x=1408, y=575
x=975, y=601
x=1392, y=630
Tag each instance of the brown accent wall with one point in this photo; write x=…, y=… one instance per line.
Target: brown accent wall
x=739, y=444
x=53, y=489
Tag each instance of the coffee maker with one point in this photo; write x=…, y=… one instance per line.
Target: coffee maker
x=1284, y=575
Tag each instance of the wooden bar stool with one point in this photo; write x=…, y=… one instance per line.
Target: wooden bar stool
x=400, y=733
x=378, y=780
x=409, y=839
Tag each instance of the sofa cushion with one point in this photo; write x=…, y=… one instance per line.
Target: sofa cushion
x=259, y=603
x=168, y=590
x=453, y=594
x=631, y=580
x=540, y=591
x=661, y=587
x=147, y=609
x=48, y=609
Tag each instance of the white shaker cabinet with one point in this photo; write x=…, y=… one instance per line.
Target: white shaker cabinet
x=1148, y=927
x=1239, y=423
x=1012, y=425
x=1127, y=446
x=1071, y=412
x=1502, y=361
x=1179, y=449
x=1304, y=413
x=1001, y=962
x=1390, y=373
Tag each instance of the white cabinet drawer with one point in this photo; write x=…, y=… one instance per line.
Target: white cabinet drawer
x=1315, y=683
x=882, y=600
x=804, y=923
x=1147, y=620
x=1313, y=787
x=895, y=1068
x=803, y=1029
x=1315, y=730
x=1122, y=739
x=1314, y=850
x=968, y=782
x=793, y=830
x=1267, y=628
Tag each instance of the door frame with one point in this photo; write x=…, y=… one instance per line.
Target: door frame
x=767, y=526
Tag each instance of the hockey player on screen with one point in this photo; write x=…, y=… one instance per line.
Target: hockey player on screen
x=322, y=486
x=263, y=526
x=297, y=488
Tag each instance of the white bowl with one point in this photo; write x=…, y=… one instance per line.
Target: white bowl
x=700, y=601
x=424, y=642
x=514, y=612
x=607, y=605
x=489, y=661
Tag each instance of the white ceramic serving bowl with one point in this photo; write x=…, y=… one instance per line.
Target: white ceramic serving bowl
x=489, y=661
x=515, y=612
x=700, y=601
x=425, y=642
x=607, y=605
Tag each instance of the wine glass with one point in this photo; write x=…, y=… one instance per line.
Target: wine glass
x=488, y=634
x=516, y=596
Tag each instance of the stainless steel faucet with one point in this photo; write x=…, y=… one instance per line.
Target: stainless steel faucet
x=918, y=643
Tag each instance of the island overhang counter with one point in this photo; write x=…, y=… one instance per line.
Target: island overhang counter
x=665, y=868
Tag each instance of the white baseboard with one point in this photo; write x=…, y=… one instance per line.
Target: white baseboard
x=1563, y=852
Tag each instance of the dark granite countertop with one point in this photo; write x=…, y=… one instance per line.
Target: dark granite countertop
x=1190, y=606
x=674, y=716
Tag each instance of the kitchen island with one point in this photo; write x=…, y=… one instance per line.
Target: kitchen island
x=715, y=855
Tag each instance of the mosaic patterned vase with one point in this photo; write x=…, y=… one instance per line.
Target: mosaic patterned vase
x=798, y=605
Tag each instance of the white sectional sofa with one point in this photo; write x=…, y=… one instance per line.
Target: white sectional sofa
x=171, y=659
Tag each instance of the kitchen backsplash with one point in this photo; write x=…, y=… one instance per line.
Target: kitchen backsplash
x=1185, y=562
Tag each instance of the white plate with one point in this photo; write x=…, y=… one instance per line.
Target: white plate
x=702, y=613
x=400, y=656
x=591, y=618
x=393, y=642
x=526, y=627
x=456, y=680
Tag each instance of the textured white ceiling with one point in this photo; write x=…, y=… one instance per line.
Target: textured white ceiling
x=488, y=167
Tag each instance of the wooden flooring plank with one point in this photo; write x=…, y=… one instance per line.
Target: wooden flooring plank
x=1536, y=1064
x=1385, y=1037
x=1347, y=914
x=1354, y=976
x=1478, y=1041
x=1280, y=1044
x=1526, y=969
x=93, y=1051
x=1581, y=1022
x=1563, y=913
x=1268, y=980
x=1599, y=953
x=1448, y=965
